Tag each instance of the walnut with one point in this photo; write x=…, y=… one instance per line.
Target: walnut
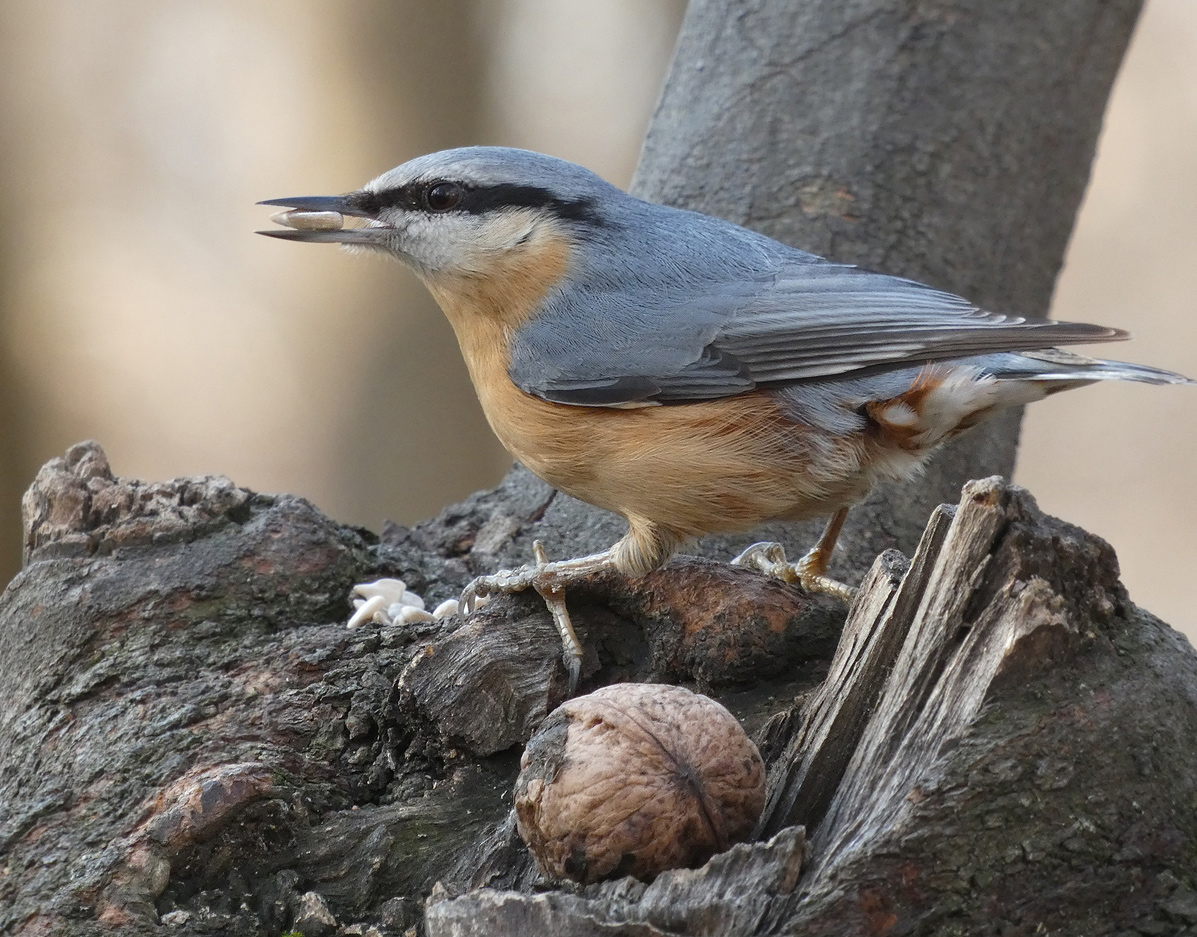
x=634, y=779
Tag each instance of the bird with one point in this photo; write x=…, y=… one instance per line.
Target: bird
x=687, y=373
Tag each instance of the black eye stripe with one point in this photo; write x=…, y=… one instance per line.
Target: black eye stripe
x=507, y=195
x=476, y=200
x=371, y=203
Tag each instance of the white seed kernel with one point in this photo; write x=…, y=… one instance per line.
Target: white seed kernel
x=445, y=609
x=367, y=610
x=390, y=589
x=309, y=220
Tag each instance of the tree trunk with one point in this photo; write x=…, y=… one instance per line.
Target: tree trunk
x=191, y=739
x=947, y=141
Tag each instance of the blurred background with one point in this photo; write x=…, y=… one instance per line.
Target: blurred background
x=137, y=307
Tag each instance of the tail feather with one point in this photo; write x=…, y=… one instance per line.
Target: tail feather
x=1072, y=370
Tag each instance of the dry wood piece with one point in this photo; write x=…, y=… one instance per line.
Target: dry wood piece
x=635, y=779
x=77, y=507
x=806, y=776
x=729, y=895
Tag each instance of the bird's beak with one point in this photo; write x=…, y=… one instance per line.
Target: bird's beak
x=320, y=219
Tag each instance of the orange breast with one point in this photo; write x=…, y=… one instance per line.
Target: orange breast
x=691, y=468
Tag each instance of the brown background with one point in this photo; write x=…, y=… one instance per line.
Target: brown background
x=137, y=308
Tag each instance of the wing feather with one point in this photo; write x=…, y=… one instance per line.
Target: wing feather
x=703, y=330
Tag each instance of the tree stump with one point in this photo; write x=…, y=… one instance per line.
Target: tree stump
x=193, y=741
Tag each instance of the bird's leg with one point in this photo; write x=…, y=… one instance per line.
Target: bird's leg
x=812, y=568
x=810, y=572
x=549, y=579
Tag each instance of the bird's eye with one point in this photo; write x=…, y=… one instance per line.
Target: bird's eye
x=442, y=196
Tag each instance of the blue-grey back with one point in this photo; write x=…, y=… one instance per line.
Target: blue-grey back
x=668, y=305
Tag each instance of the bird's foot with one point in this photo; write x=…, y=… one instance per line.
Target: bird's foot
x=549, y=579
x=810, y=572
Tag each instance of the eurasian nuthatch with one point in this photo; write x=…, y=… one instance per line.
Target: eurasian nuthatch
x=692, y=375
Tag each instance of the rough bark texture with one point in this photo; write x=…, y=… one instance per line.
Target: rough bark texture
x=192, y=739
x=192, y=742
x=1004, y=745
x=189, y=727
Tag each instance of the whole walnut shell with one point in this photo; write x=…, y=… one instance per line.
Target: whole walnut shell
x=634, y=779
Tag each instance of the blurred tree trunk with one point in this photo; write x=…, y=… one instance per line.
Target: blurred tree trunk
x=950, y=142
x=13, y=475
x=17, y=465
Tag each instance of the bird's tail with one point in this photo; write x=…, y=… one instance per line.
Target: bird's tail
x=1061, y=370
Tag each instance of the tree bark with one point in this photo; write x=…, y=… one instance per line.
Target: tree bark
x=1003, y=745
x=189, y=727
x=192, y=741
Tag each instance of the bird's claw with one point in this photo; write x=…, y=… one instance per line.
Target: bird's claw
x=506, y=582
x=549, y=580
x=770, y=559
x=812, y=576
x=810, y=572
x=479, y=591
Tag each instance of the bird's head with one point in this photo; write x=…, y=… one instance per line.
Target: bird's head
x=457, y=212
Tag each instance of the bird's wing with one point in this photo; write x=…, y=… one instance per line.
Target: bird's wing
x=798, y=320
x=823, y=319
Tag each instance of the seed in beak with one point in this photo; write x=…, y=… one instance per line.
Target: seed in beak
x=310, y=220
